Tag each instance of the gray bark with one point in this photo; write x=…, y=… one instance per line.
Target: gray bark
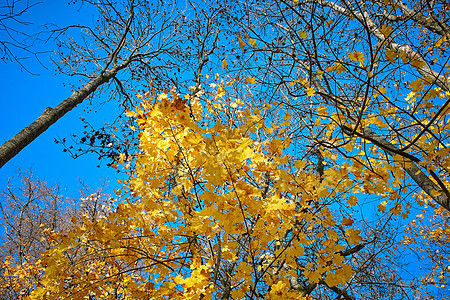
x=14, y=145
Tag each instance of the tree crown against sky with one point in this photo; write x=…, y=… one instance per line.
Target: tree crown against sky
x=253, y=177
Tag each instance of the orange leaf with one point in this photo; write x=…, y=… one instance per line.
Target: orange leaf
x=224, y=63
x=347, y=221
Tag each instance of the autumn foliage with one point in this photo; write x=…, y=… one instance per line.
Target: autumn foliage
x=289, y=175
x=207, y=212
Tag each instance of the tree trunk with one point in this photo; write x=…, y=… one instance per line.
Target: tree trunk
x=13, y=146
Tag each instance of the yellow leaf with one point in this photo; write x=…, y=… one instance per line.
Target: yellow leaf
x=252, y=42
x=241, y=43
x=439, y=41
x=162, y=96
x=339, y=67
x=319, y=74
x=250, y=80
x=404, y=57
x=382, y=206
x=279, y=286
x=396, y=210
x=386, y=30
x=302, y=34
x=312, y=276
x=352, y=200
x=224, y=63
x=130, y=113
x=322, y=111
x=220, y=91
x=300, y=164
x=310, y=91
x=435, y=193
x=332, y=235
x=357, y=56
x=333, y=280
x=347, y=221
x=390, y=55
x=352, y=235
x=417, y=84
x=417, y=63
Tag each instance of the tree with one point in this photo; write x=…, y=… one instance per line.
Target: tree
x=253, y=185
x=129, y=41
x=29, y=211
x=364, y=74
x=210, y=213
x=428, y=236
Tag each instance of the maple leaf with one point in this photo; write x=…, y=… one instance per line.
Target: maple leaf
x=352, y=200
x=404, y=56
x=357, y=56
x=417, y=63
x=440, y=41
x=310, y=91
x=333, y=279
x=302, y=34
x=353, y=235
x=382, y=206
x=386, y=30
x=347, y=221
x=390, y=55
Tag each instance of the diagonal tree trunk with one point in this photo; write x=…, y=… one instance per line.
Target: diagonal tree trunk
x=14, y=145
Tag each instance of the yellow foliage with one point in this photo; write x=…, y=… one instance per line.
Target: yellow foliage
x=198, y=197
x=357, y=56
x=250, y=80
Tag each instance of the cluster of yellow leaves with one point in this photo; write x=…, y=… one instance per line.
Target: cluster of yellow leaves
x=203, y=202
x=19, y=279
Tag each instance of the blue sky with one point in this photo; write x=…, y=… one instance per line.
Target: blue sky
x=24, y=97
